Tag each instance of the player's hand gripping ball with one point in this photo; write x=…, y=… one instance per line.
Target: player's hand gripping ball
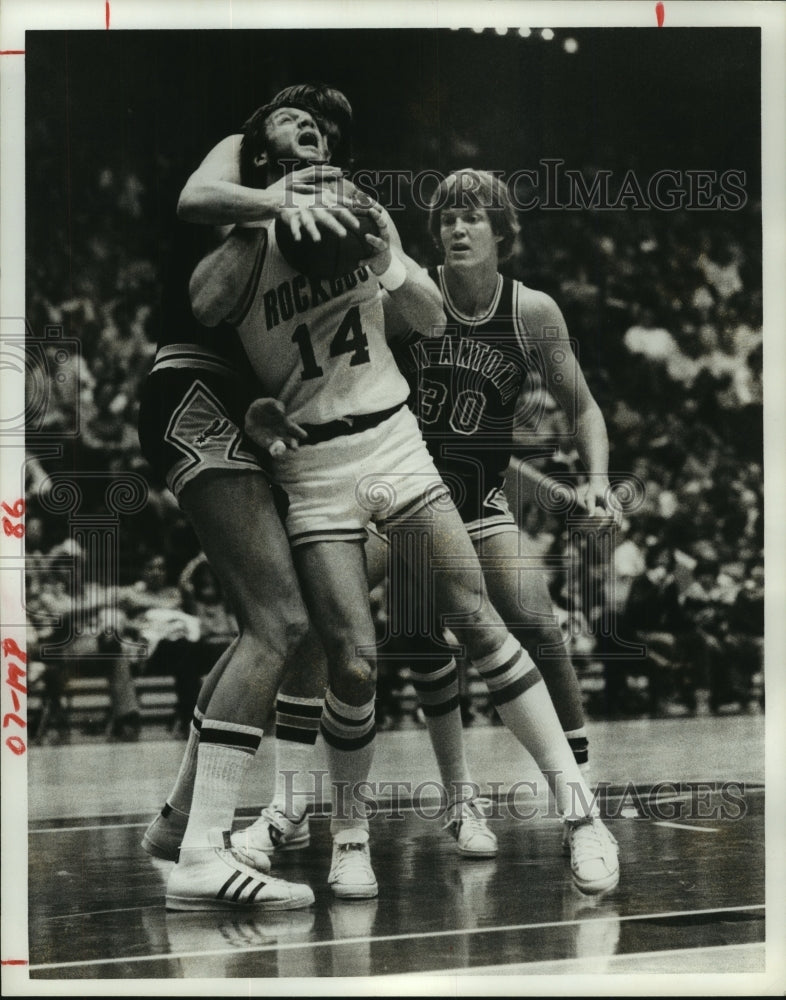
x=330, y=257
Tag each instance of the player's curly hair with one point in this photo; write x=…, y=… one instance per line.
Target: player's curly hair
x=332, y=113
x=469, y=188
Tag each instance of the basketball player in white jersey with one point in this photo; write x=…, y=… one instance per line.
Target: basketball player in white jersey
x=320, y=348
x=465, y=387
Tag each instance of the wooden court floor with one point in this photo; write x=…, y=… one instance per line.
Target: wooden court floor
x=685, y=799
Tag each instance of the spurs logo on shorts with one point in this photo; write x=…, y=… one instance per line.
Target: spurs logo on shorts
x=215, y=429
x=203, y=433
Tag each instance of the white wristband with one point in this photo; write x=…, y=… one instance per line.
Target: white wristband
x=395, y=276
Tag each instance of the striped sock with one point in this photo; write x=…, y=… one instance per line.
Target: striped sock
x=438, y=696
x=180, y=796
x=226, y=751
x=297, y=726
x=348, y=731
x=579, y=744
x=522, y=700
x=508, y=672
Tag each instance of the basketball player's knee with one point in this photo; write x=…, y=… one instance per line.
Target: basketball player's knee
x=279, y=628
x=481, y=632
x=296, y=628
x=355, y=667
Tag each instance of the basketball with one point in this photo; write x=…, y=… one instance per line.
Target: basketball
x=332, y=256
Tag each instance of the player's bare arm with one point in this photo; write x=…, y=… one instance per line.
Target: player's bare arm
x=222, y=278
x=411, y=297
x=564, y=379
x=214, y=196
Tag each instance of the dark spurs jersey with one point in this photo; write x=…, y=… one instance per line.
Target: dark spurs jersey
x=464, y=389
x=182, y=342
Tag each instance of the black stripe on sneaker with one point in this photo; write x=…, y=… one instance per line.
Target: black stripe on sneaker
x=227, y=885
x=241, y=887
x=518, y=687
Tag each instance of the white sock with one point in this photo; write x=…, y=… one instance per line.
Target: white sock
x=226, y=751
x=348, y=731
x=521, y=698
x=438, y=695
x=180, y=796
x=297, y=726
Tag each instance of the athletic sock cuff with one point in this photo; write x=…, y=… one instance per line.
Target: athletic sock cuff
x=297, y=719
x=231, y=734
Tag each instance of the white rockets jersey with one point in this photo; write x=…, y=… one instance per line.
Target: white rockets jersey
x=318, y=346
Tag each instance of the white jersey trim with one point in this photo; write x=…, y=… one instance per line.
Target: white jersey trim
x=463, y=317
x=190, y=356
x=518, y=322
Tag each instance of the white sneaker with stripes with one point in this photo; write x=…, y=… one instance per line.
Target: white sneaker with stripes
x=215, y=877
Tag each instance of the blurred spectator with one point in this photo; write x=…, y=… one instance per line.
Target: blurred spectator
x=154, y=607
x=745, y=636
x=718, y=684
x=203, y=599
x=654, y=617
x=81, y=621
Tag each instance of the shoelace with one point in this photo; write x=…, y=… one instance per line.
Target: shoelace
x=279, y=820
x=470, y=812
x=589, y=840
x=350, y=856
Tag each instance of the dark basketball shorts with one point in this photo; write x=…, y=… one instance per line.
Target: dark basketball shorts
x=480, y=500
x=190, y=422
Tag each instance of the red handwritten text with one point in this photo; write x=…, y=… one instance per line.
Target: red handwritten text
x=16, y=512
x=15, y=678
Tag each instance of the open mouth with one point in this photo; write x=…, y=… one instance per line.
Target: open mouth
x=309, y=138
x=459, y=247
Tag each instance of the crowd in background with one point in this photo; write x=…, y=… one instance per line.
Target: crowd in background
x=666, y=313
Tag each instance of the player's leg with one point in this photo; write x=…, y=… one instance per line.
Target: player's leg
x=164, y=835
x=247, y=565
x=334, y=583
x=251, y=559
x=284, y=822
x=515, y=684
x=518, y=590
x=435, y=677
